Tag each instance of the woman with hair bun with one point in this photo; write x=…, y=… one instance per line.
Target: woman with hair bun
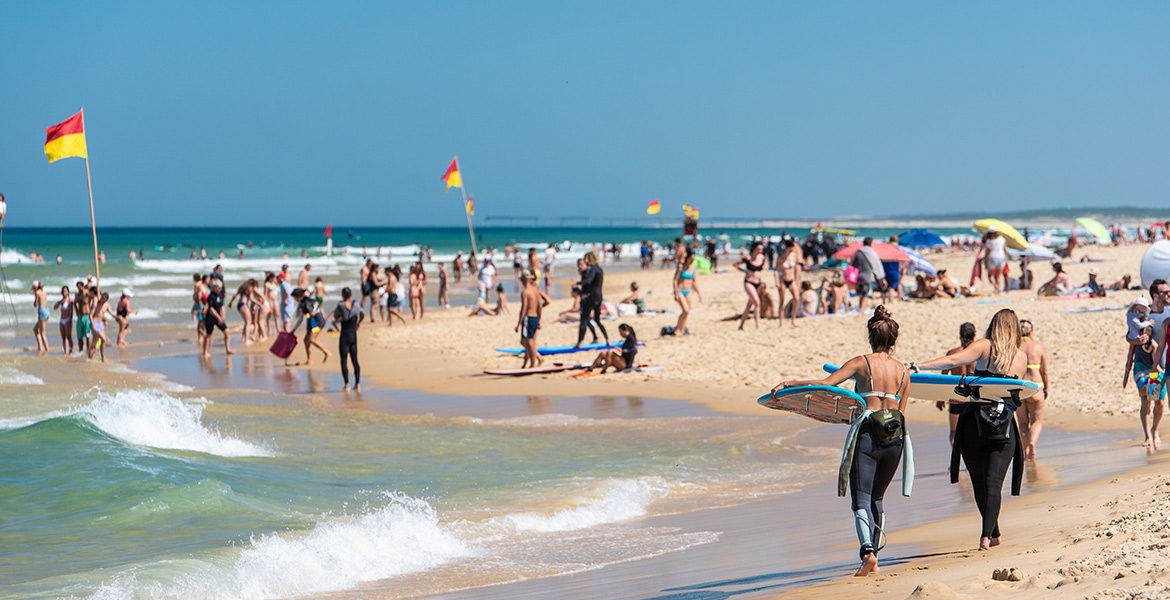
x=876, y=440
x=986, y=435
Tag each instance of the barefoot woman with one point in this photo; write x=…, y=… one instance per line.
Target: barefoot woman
x=986, y=435
x=1030, y=413
x=873, y=447
x=751, y=267
x=684, y=285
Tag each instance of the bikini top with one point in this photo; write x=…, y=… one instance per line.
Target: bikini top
x=747, y=264
x=687, y=274
x=886, y=395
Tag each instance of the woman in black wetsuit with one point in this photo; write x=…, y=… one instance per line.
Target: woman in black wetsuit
x=751, y=267
x=591, y=295
x=986, y=435
x=622, y=357
x=350, y=317
x=875, y=443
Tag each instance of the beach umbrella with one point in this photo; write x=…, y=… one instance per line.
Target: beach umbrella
x=1156, y=263
x=1014, y=238
x=920, y=238
x=1096, y=228
x=884, y=251
x=918, y=261
x=1035, y=251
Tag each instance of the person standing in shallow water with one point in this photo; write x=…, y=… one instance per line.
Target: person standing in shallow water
x=986, y=436
x=877, y=438
x=349, y=318
x=1033, y=407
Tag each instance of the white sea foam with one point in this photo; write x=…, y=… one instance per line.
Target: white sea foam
x=145, y=314
x=402, y=537
x=11, y=376
x=624, y=499
x=156, y=419
x=9, y=256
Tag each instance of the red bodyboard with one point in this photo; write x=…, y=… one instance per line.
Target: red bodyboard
x=284, y=345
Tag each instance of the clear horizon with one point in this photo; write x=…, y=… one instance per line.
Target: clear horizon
x=298, y=114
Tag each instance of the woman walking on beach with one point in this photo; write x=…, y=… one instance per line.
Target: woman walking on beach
x=1029, y=414
x=310, y=312
x=751, y=266
x=349, y=318
x=422, y=290
x=684, y=283
x=122, y=316
x=394, y=292
x=874, y=446
x=786, y=278
x=66, y=306
x=986, y=435
x=241, y=299
x=591, y=295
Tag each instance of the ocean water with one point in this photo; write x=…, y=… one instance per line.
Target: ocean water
x=161, y=277
x=143, y=491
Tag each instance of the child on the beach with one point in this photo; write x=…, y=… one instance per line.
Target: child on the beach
x=1137, y=320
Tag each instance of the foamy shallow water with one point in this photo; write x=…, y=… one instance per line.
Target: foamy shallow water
x=219, y=499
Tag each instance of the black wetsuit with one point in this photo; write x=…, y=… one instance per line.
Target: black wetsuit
x=591, y=302
x=987, y=448
x=874, y=465
x=630, y=351
x=347, y=346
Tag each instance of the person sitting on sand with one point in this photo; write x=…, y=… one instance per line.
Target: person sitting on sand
x=947, y=284
x=810, y=301
x=986, y=436
x=836, y=295
x=636, y=297
x=501, y=308
x=1028, y=416
x=622, y=357
x=1059, y=285
x=874, y=445
x=1095, y=288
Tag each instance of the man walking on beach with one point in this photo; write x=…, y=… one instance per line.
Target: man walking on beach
x=303, y=278
x=213, y=317
x=868, y=266
x=41, y=302
x=531, y=307
x=1146, y=364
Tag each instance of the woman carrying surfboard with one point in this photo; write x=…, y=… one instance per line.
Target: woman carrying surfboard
x=986, y=435
x=876, y=439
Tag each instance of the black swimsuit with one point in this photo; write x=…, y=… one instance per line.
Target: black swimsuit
x=753, y=268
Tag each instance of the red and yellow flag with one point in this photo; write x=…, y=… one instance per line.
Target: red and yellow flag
x=452, y=176
x=470, y=206
x=66, y=139
x=654, y=207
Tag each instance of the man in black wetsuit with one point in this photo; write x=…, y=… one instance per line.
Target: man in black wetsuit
x=350, y=317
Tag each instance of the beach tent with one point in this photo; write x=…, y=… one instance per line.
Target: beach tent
x=918, y=261
x=1035, y=251
x=884, y=251
x=1156, y=263
x=920, y=238
x=1014, y=238
x=1096, y=228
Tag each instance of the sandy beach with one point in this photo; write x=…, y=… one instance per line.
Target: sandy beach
x=1098, y=538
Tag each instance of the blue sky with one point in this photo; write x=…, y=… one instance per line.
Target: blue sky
x=301, y=113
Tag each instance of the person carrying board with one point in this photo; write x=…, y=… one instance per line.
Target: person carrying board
x=877, y=438
x=986, y=435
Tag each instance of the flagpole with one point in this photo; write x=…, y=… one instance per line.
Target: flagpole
x=92, y=222
x=463, y=190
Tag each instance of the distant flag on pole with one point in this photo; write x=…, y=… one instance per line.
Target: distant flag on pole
x=470, y=199
x=687, y=210
x=452, y=176
x=66, y=139
x=654, y=207
x=329, y=230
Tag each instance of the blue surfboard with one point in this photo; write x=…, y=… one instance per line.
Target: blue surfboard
x=825, y=403
x=550, y=350
x=936, y=386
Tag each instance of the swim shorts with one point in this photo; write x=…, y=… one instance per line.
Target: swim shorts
x=996, y=265
x=1142, y=370
x=43, y=313
x=528, y=331
x=393, y=301
x=99, y=327
x=955, y=408
x=83, y=327
x=211, y=323
x=863, y=288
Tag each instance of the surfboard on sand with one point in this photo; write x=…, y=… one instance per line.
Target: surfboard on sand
x=554, y=368
x=825, y=403
x=550, y=350
x=936, y=386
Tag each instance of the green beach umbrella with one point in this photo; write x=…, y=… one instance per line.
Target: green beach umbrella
x=1095, y=227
